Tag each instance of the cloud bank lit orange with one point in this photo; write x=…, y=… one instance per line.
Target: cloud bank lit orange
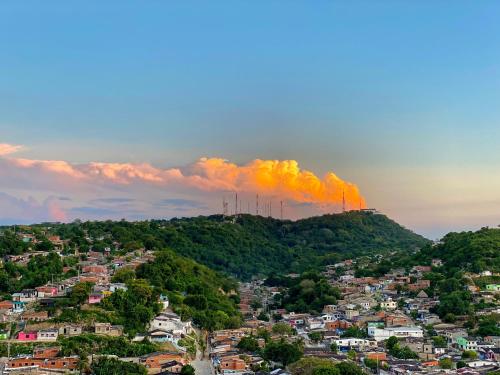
x=204, y=180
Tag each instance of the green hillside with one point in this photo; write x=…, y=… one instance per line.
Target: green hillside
x=469, y=251
x=248, y=245
x=195, y=291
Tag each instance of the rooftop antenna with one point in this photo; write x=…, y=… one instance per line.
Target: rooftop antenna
x=343, y=200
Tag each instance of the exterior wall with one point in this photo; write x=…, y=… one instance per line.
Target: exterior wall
x=70, y=330
x=68, y=363
x=42, y=353
x=466, y=344
x=49, y=335
x=27, y=336
x=156, y=360
x=95, y=298
x=400, y=332
x=233, y=365
x=36, y=316
x=108, y=329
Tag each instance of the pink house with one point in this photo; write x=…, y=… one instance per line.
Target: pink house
x=27, y=336
x=95, y=298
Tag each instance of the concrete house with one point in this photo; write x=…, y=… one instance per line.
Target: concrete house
x=108, y=329
x=48, y=334
x=380, y=334
x=170, y=322
x=70, y=330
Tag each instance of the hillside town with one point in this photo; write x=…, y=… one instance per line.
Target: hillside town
x=373, y=311
x=382, y=325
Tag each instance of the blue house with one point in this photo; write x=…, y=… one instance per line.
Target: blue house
x=18, y=306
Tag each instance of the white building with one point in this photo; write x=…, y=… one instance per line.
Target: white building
x=164, y=301
x=48, y=335
x=315, y=323
x=170, y=322
x=380, y=334
x=354, y=342
x=390, y=304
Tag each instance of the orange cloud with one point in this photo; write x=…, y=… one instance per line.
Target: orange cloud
x=281, y=179
x=6, y=149
x=276, y=179
x=55, y=166
x=272, y=179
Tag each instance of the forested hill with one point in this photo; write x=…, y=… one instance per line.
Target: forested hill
x=249, y=245
x=470, y=251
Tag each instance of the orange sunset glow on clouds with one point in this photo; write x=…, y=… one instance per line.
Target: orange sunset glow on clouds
x=96, y=190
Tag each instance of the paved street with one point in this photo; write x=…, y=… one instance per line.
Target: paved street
x=202, y=367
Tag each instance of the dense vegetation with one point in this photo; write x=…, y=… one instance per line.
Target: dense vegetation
x=195, y=291
x=112, y=366
x=283, y=352
x=38, y=271
x=461, y=253
x=307, y=293
x=252, y=245
x=242, y=246
x=324, y=366
x=467, y=251
x=135, y=307
x=87, y=344
x=394, y=349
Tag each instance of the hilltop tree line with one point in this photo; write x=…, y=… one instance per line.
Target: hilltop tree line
x=242, y=246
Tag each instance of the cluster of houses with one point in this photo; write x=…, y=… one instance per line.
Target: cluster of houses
x=373, y=309
x=26, y=318
x=380, y=308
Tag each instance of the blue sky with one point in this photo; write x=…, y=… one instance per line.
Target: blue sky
x=399, y=97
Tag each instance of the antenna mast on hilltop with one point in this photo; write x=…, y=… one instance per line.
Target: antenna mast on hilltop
x=281, y=210
x=236, y=204
x=257, y=205
x=224, y=206
x=343, y=200
x=270, y=209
